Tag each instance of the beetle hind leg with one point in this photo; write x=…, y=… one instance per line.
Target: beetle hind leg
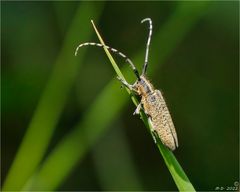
x=137, y=111
x=153, y=131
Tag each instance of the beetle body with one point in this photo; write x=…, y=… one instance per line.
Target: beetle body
x=155, y=107
x=157, y=111
x=152, y=101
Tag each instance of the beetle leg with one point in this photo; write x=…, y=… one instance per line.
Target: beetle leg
x=126, y=84
x=137, y=111
x=153, y=131
x=154, y=135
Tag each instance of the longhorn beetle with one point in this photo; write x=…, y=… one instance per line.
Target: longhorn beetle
x=152, y=101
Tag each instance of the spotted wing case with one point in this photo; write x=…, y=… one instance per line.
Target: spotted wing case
x=155, y=106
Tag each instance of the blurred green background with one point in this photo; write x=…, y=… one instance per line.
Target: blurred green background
x=73, y=122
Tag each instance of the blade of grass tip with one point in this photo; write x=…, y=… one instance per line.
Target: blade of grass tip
x=174, y=167
x=66, y=155
x=48, y=111
x=114, y=64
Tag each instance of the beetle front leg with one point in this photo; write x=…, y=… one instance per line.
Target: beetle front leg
x=126, y=84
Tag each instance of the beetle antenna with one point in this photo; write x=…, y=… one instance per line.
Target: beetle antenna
x=112, y=50
x=148, y=43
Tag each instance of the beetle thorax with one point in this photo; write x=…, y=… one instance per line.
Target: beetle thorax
x=143, y=86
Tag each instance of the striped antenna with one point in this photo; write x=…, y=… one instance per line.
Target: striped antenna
x=112, y=50
x=148, y=43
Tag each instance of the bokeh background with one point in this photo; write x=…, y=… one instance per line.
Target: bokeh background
x=74, y=124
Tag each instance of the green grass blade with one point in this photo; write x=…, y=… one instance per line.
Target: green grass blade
x=174, y=167
x=178, y=174
x=94, y=123
x=46, y=116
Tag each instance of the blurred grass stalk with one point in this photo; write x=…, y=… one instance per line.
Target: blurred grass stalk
x=115, y=167
x=51, y=104
x=72, y=148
